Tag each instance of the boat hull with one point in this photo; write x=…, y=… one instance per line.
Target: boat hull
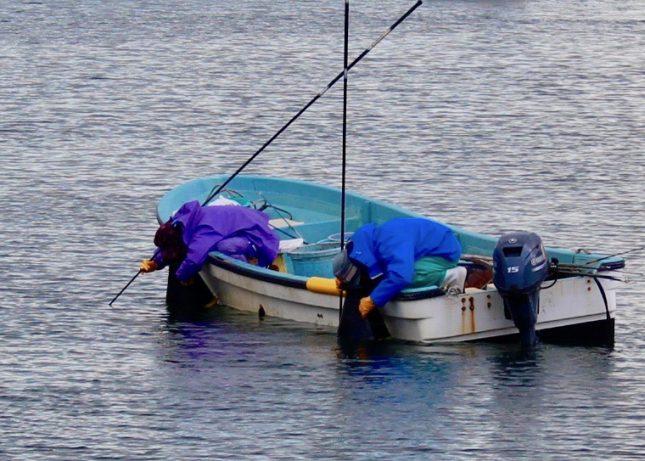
x=477, y=314
x=581, y=290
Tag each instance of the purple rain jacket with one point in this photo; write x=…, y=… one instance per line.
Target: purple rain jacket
x=234, y=230
x=392, y=249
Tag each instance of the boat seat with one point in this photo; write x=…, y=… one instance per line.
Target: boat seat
x=288, y=245
x=281, y=223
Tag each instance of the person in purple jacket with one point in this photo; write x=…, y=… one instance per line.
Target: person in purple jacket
x=400, y=253
x=194, y=231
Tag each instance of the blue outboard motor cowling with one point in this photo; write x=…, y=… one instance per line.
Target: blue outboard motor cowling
x=520, y=266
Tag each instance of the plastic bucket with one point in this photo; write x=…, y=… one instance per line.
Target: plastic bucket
x=313, y=259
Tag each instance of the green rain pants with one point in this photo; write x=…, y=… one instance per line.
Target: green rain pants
x=431, y=271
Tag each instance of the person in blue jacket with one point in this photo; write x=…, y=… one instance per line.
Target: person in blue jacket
x=195, y=230
x=402, y=252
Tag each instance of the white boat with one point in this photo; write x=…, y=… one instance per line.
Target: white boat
x=575, y=300
x=552, y=291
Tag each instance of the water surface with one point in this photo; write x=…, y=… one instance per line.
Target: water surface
x=493, y=115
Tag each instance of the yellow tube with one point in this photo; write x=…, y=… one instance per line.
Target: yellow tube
x=323, y=285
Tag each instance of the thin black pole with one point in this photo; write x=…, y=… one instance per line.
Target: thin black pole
x=125, y=287
x=344, y=163
x=217, y=189
x=614, y=255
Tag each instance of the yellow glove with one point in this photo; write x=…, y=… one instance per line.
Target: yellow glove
x=148, y=265
x=366, y=306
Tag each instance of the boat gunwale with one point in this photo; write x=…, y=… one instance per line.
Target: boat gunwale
x=594, y=262
x=298, y=281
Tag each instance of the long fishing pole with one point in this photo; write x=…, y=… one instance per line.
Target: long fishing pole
x=344, y=162
x=217, y=189
x=125, y=287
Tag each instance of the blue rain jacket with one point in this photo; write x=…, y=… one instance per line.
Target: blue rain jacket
x=234, y=230
x=392, y=249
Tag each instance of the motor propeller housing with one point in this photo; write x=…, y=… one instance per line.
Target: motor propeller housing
x=519, y=267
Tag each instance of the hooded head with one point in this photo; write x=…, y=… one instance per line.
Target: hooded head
x=169, y=240
x=346, y=270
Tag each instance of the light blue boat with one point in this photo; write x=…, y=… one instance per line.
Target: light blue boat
x=575, y=299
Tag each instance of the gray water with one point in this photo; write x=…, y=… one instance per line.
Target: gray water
x=493, y=115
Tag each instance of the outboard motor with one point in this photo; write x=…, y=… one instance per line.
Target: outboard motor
x=520, y=266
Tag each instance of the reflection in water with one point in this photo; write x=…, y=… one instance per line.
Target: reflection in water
x=191, y=331
x=362, y=351
x=298, y=380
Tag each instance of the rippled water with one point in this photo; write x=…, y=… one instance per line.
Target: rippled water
x=494, y=115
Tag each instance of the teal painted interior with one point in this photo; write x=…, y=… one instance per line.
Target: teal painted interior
x=317, y=208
